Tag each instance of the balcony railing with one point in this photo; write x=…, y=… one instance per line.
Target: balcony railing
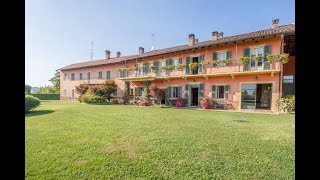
x=202, y=69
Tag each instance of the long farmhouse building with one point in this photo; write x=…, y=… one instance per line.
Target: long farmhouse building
x=256, y=85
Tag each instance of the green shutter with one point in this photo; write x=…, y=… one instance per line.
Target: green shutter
x=267, y=50
x=156, y=64
x=200, y=59
x=201, y=91
x=170, y=61
x=179, y=91
x=144, y=69
x=214, y=56
x=228, y=54
x=167, y=64
x=167, y=95
x=187, y=62
x=246, y=53
x=186, y=95
x=214, y=91
x=147, y=67
x=180, y=60
x=226, y=91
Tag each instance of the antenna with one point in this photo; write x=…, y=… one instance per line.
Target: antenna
x=91, y=50
x=152, y=45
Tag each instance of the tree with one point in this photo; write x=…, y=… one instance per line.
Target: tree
x=157, y=93
x=55, y=80
x=106, y=89
x=27, y=89
x=82, y=89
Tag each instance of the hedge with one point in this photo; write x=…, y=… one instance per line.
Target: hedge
x=47, y=96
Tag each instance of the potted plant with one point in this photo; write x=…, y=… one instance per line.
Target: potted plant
x=136, y=67
x=152, y=67
x=193, y=66
x=170, y=67
x=282, y=58
x=244, y=60
x=163, y=67
x=256, y=58
x=182, y=66
x=215, y=62
x=228, y=61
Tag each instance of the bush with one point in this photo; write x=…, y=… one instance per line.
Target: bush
x=207, y=103
x=47, y=96
x=179, y=102
x=114, y=101
x=31, y=102
x=91, y=98
x=286, y=103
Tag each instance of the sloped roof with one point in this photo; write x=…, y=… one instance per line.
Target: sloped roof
x=284, y=29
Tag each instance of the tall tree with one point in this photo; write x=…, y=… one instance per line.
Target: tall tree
x=55, y=80
x=27, y=89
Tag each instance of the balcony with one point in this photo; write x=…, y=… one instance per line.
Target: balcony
x=235, y=68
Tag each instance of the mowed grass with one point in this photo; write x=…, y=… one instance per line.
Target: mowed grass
x=69, y=140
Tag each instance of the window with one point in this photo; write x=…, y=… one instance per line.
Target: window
x=72, y=77
x=107, y=74
x=65, y=77
x=288, y=85
x=88, y=75
x=140, y=90
x=175, y=92
x=288, y=79
x=64, y=92
x=100, y=75
x=220, y=91
x=175, y=63
x=221, y=56
x=256, y=52
x=80, y=76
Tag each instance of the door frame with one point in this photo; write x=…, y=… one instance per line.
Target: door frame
x=189, y=93
x=260, y=82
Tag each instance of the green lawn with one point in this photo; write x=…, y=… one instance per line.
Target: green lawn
x=69, y=140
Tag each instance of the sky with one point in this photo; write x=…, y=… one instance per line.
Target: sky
x=60, y=32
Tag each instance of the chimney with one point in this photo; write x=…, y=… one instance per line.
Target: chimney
x=214, y=35
x=141, y=50
x=220, y=35
x=275, y=23
x=191, y=40
x=107, y=54
x=118, y=54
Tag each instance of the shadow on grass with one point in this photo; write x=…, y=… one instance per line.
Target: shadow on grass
x=37, y=113
x=240, y=121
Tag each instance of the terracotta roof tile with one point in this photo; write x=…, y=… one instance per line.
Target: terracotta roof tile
x=285, y=29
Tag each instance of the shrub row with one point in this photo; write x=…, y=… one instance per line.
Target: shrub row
x=47, y=96
x=91, y=98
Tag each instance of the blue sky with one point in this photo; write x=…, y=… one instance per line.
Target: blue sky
x=59, y=32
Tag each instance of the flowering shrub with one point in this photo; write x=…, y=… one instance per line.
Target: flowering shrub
x=207, y=103
x=286, y=103
x=179, y=102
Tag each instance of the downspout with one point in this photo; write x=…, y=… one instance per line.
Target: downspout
x=281, y=67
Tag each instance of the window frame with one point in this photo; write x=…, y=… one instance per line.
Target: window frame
x=99, y=74
x=80, y=76
x=88, y=75
x=73, y=76
x=219, y=58
x=108, y=73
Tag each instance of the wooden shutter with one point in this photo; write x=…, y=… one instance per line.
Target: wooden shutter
x=201, y=91
x=246, y=53
x=156, y=64
x=187, y=62
x=214, y=91
x=167, y=64
x=200, y=59
x=180, y=60
x=186, y=94
x=266, y=50
x=147, y=68
x=179, y=91
x=228, y=54
x=226, y=91
x=136, y=91
x=214, y=56
x=167, y=95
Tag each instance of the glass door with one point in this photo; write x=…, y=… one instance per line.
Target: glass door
x=256, y=65
x=248, y=96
